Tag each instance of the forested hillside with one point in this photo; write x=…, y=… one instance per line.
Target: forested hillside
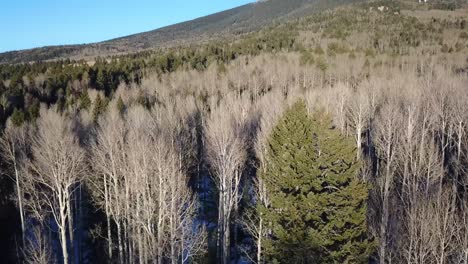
x=229, y=24
x=339, y=137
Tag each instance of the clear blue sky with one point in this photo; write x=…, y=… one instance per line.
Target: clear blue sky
x=35, y=23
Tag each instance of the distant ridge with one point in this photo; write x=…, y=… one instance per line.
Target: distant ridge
x=242, y=19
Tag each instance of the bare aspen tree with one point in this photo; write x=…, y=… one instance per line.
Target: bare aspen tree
x=107, y=152
x=181, y=213
x=444, y=227
x=418, y=248
x=147, y=190
x=459, y=111
x=140, y=160
x=359, y=111
x=227, y=154
x=168, y=206
x=422, y=172
x=38, y=248
x=409, y=146
x=442, y=125
x=187, y=238
x=57, y=167
x=385, y=141
x=342, y=99
x=462, y=236
x=13, y=144
x=254, y=223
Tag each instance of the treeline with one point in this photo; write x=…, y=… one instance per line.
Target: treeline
x=25, y=86
x=319, y=37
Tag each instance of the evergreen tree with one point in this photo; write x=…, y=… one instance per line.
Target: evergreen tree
x=120, y=105
x=99, y=107
x=102, y=79
x=33, y=110
x=18, y=117
x=85, y=101
x=61, y=100
x=317, y=211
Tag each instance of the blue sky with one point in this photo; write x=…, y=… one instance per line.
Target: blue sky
x=35, y=23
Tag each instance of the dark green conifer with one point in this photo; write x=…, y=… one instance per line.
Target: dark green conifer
x=102, y=79
x=99, y=107
x=120, y=105
x=85, y=101
x=18, y=117
x=318, y=206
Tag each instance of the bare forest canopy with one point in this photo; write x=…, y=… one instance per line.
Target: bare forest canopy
x=339, y=136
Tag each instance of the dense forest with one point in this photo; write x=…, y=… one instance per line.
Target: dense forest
x=339, y=137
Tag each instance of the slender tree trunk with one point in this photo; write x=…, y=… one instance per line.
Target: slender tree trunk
x=226, y=238
x=80, y=225
x=221, y=226
x=160, y=249
x=172, y=220
x=63, y=226
x=385, y=215
x=259, y=241
x=128, y=248
x=154, y=244
x=118, y=219
x=20, y=205
x=71, y=237
x=109, y=231
x=359, y=142
x=235, y=230
x=131, y=249
x=119, y=240
x=458, y=164
x=160, y=216
x=139, y=239
x=63, y=241
x=182, y=247
x=225, y=223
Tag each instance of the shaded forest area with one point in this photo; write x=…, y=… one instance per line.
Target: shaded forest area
x=339, y=137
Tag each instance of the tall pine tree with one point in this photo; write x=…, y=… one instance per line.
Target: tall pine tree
x=317, y=211
x=99, y=107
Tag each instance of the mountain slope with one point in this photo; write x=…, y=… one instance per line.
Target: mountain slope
x=243, y=19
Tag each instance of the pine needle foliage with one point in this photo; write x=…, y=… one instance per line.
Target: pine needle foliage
x=317, y=211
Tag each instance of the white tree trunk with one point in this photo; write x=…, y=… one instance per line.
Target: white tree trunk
x=70, y=228
x=108, y=221
x=63, y=225
x=259, y=241
x=119, y=241
x=20, y=204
